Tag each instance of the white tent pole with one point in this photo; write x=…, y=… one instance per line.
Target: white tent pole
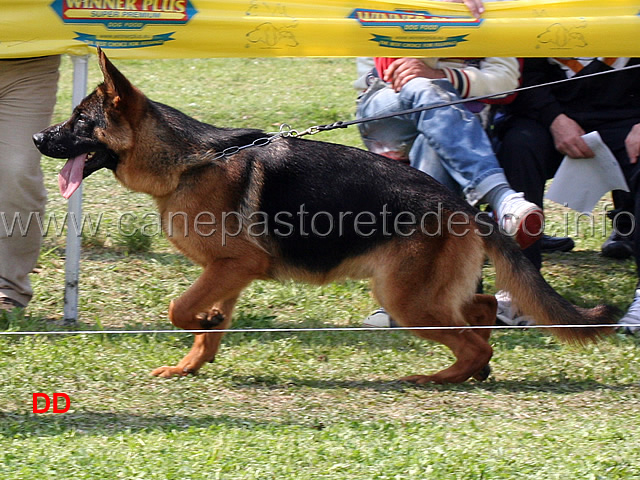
x=74, y=208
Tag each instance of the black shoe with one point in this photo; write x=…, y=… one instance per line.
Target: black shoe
x=556, y=244
x=8, y=304
x=617, y=246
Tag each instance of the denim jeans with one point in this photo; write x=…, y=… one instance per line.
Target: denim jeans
x=447, y=143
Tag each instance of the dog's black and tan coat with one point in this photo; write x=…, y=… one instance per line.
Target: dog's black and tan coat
x=324, y=212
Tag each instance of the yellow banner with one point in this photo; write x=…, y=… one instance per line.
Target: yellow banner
x=263, y=28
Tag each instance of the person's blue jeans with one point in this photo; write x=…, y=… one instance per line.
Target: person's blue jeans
x=447, y=143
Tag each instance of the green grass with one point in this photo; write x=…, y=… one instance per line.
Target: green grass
x=304, y=405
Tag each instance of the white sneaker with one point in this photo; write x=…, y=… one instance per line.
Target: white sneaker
x=379, y=319
x=508, y=314
x=632, y=317
x=521, y=219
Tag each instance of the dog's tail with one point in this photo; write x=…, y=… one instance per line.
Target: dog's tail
x=535, y=297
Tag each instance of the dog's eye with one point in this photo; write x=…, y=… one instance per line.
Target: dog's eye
x=82, y=120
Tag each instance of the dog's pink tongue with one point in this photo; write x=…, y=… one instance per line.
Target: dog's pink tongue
x=70, y=177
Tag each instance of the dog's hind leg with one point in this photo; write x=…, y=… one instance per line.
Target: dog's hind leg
x=432, y=286
x=420, y=309
x=482, y=312
x=471, y=350
x=205, y=345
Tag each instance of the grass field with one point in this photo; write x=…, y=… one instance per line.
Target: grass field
x=304, y=405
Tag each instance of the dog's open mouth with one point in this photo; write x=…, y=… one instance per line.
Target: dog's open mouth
x=81, y=166
x=70, y=177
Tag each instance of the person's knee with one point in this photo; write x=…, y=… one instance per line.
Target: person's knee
x=425, y=91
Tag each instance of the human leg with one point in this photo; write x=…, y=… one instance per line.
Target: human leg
x=449, y=144
x=455, y=137
x=631, y=319
x=396, y=137
x=614, y=136
x=620, y=243
x=526, y=152
x=446, y=139
x=27, y=97
x=529, y=158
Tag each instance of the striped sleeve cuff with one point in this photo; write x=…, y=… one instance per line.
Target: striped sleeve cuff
x=458, y=79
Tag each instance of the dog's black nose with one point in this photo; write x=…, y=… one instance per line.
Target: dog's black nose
x=38, y=139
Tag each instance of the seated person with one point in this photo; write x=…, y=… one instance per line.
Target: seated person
x=449, y=143
x=545, y=124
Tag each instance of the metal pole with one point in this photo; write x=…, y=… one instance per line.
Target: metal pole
x=74, y=208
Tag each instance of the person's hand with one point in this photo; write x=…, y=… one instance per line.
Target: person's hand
x=567, y=138
x=402, y=70
x=632, y=143
x=475, y=6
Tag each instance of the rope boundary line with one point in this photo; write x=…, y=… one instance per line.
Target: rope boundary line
x=310, y=329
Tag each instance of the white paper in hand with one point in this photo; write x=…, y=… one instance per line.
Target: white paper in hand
x=580, y=182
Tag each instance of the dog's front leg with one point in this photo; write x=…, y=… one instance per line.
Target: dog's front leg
x=207, y=304
x=205, y=346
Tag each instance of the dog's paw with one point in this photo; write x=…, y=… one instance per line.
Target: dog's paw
x=210, y=319
x=482, y=374
x=167, y=372
x=419, y=379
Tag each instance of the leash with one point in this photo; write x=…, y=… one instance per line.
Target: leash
x=286, y=130
x=344, y=124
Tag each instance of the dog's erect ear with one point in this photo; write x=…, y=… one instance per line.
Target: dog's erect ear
x=121, y=89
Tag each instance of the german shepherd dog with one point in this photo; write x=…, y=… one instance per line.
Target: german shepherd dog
x=326, y=212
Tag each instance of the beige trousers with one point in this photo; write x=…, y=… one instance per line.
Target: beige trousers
x=27, y=97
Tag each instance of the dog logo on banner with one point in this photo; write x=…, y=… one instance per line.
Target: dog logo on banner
x=276, y=27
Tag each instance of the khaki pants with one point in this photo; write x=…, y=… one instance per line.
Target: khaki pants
x=27, y=97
